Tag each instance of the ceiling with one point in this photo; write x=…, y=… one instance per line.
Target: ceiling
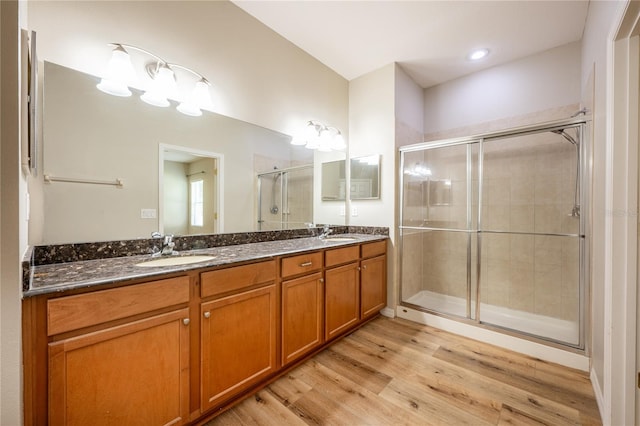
x=430, y=40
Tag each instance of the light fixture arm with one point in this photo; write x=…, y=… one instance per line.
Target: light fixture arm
x=122, y=46
x=152, y=69
x=197, y=74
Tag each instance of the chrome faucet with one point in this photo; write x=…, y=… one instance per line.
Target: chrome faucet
x=167, y=245
x=325, y=232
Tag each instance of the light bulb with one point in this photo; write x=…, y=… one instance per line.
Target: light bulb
x=162, y=86
x=119, y=75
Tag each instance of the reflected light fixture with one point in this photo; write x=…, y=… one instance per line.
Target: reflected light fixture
x=321, y=137
x=418, y=170
x=163, y=84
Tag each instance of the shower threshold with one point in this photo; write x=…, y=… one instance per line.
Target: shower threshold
x=546, y=327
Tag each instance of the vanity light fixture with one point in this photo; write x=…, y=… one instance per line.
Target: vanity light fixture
x=121, y=75
x=321, y=137
x=478, y=54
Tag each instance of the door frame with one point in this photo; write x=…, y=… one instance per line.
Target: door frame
x=621, y=224
x=219, y=182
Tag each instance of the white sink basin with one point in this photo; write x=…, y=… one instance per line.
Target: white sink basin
x=339, y=239
x=174, y=261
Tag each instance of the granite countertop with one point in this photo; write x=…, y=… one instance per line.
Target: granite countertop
x=59, y=277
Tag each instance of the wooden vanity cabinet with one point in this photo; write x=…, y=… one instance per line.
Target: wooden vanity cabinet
x=238, y=330
x=342, y=290
x=302, y=306
x=136, y=372
x=373, y=279
x=175, y=350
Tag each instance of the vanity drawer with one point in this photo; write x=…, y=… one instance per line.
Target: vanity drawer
x=236, y=278
x=341, y=255
x=374, y=249
x=84, y=310
x=301, y=264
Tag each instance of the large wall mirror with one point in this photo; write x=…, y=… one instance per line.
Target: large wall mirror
x=89, y=135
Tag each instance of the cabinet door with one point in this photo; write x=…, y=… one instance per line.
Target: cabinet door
x=133, y=374
x=373, y=286
x=302, y=303
x=238, y=343
x=342, y=299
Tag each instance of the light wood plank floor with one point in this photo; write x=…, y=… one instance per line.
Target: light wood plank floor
x=395, y=372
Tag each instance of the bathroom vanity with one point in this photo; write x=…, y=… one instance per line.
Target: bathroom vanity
x=112, y=342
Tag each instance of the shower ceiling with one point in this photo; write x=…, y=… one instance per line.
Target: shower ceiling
x=429, y=39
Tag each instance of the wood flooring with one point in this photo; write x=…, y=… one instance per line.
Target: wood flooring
x=396, y=372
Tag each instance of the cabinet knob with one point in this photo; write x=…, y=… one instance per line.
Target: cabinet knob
x=364, y=267
x=321, y=280
x=359, y=268
x=207, y=314
x=186, y=321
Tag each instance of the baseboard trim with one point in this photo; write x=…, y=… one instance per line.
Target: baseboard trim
x=388, y=312
x=598, y=393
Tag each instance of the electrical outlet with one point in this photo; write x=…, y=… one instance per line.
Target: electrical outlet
x=147, y=213
x=342, y=211
x=354, y=211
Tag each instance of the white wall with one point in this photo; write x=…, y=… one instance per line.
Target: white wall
x=546, y=80
x=176, y=198
x=372, y=130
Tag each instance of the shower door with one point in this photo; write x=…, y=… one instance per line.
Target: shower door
x=285, y=198
x=438, y=228
x=530, y=234
x=492, y=231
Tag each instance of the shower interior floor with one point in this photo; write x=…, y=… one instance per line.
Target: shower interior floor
x=538, y=325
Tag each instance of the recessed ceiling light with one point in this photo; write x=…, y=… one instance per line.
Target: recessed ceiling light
x=478, y=54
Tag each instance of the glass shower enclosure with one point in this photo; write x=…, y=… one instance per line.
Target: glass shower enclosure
x=285, y=198
x=492, y=231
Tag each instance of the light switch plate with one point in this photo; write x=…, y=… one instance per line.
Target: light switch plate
x=147, y=213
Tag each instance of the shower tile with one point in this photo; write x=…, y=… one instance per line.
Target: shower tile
x=522, y=218
x=548, y=219
x=522, y=250
x=496, y=217
x=548, y=250
x=496, y=247
x=570, y=224
x=548, y=189
x=522, y=281
x=548, y=293
x=522, y=297
x=522, y=191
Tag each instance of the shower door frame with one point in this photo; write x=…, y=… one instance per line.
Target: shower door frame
x=284, y=189
x=582, y=123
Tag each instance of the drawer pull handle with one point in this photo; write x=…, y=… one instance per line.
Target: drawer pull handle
x=305, y=264
x=207, y=314
x=186, y=321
